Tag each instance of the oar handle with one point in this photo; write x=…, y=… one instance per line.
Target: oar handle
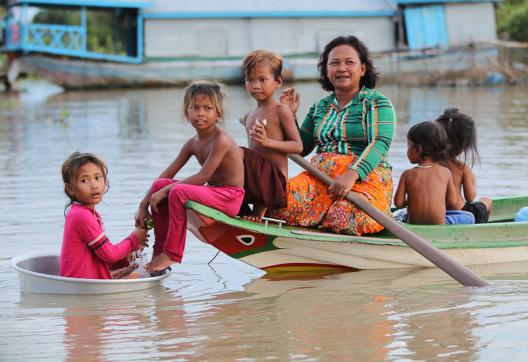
x=458, y=271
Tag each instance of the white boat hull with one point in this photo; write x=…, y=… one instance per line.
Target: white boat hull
x=39, y=273
x=364, y=256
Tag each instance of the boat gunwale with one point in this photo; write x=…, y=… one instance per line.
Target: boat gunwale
x=289, y=231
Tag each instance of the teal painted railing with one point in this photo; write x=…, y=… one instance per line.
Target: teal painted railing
x=58, y=39
x=63, y=39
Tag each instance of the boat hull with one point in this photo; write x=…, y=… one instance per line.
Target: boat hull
x=450, y=66
x=274, y=248
x=39, y=273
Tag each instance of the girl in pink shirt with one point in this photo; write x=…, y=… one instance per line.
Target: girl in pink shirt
x=86, y=251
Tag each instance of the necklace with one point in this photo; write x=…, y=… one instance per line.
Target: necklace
x=426, y=166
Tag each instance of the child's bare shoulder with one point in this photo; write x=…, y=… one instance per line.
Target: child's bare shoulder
x=454, y=165
x=408, y=172
x=283, y=110
x=191, y=142
x=224, y=138
x=444, y=171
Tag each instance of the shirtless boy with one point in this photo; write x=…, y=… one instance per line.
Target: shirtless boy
x=272, y=135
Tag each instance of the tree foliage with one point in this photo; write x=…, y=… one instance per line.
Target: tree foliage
x=512, y=20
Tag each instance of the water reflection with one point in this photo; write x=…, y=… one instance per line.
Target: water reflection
x=228, y=310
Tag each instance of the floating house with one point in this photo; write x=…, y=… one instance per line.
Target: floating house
x=93, y=43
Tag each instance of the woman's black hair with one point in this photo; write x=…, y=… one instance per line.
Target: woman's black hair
x=370, y=77
x=429, y=140
x=461, y=134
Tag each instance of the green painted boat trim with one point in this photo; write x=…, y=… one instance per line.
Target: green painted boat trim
x=492, y=235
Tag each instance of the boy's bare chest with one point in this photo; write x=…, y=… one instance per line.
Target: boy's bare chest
x=270, y=122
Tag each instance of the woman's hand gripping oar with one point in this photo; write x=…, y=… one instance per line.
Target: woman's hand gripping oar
x=458, y=271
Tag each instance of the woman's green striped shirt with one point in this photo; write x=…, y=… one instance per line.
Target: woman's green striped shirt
x=364, y=127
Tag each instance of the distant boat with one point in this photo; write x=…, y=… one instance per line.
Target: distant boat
x=77, y=74
x=435, y=66
x=39, y=273
x=144, y=43
x=273, y=248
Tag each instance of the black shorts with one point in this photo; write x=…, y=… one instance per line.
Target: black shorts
x=479, y=210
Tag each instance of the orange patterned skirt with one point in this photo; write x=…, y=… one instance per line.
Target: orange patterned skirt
x=309, y=204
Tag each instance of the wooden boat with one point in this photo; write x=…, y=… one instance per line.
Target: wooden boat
x=273, y=247
x=39, y=273
x=449, y=66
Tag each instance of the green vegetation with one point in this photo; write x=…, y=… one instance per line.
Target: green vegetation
x=512, y=20
x=107, y=28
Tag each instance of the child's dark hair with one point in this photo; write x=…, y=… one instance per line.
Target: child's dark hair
x=461, y=134
x=429, y=140
x=212, y=89
x=274, y=60
x=71, y=166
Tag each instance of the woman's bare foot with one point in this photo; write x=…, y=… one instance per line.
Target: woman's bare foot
x=160, y=262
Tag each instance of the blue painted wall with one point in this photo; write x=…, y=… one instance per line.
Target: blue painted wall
x=425, y=27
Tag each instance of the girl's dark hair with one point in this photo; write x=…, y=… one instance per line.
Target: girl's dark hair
x=429, y=140
x=461, y=134
x=71, y=166
x=370, y=77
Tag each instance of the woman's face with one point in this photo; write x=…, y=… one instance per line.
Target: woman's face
x=344, y=68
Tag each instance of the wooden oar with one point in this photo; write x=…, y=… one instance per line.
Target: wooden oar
x=458, y=271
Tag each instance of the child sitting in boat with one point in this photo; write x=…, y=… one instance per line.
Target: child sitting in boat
x=427, y=189
x=462, y=139
x=218, y=184
x=272, y=134
x=86, y=251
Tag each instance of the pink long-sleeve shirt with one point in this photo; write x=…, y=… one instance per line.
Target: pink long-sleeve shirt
x=86, y=251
